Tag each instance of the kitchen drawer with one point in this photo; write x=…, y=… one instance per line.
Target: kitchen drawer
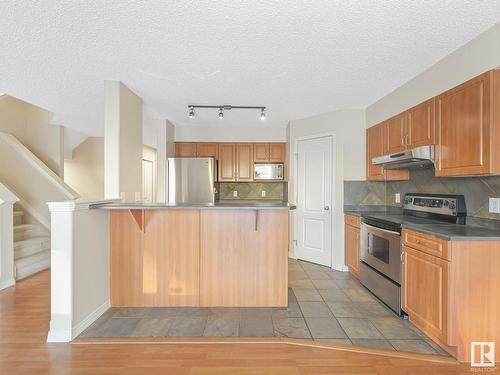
x=428, y=244
x=352, y=220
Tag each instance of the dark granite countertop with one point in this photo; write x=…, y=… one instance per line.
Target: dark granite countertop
x=452, y=232
x=244, y=205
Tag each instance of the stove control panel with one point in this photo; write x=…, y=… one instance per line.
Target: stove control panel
x=439, y=204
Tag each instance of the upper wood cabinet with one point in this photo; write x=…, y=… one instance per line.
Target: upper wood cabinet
x=376, y=145
x=244, y=162
x=261, y=152
x=277, y=152
x=420, y=125
x=269, y=152
x=395, y=134
x=186, y=149
x=374, y=148
x=227, y=162
x=207, y=150
x=468, y=127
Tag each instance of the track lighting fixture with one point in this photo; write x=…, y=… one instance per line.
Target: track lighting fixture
x=222, y=108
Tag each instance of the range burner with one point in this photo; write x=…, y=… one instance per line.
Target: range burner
x=380, y=269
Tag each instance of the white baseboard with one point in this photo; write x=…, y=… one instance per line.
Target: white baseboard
x=7, y=283
x=59, y=336
x=340, y=267
x=91, y=318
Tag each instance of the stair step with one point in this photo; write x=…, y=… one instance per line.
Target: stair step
x=18, y=217
x=25, y=231
x=31, y=246
x=32, y=264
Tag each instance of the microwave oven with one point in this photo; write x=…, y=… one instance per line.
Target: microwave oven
x=268, y=171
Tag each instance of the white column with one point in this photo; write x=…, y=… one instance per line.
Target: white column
x=79, y=268
x=122, y=142
x=7, y=200
x=165, y=149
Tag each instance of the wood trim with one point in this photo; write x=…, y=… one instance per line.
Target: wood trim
x=320, y=344
x=428, y=244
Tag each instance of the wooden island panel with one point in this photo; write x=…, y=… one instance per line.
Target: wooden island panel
x=244, y=255
x=158, y=266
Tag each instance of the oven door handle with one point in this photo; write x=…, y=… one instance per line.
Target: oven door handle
x=382, y=230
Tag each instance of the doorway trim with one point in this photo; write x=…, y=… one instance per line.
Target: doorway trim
x=333, y=211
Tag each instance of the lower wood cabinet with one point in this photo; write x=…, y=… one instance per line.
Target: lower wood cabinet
x=425, y=291
x=244, y=258
x=154, y=258
x=352, y=244
x=195, y=257
x=453, y=301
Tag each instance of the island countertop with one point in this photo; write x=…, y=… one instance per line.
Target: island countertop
x=224, y=205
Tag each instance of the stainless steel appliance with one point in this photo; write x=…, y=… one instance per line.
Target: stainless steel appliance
x=269, y=171
x=191, y=180
x=419, y=157
x=381, y=252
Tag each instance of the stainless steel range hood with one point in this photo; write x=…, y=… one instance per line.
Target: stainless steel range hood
x=419, y=157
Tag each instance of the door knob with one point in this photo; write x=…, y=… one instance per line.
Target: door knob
x=326, y=208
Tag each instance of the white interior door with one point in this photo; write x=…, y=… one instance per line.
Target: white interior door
x=314, y=200
x=147, y=181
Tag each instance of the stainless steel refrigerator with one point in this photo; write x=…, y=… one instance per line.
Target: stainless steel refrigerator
x=191, y=180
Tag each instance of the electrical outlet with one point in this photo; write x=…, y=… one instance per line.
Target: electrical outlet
x=138, y=196
x=494, y=205
x=235, y=193
x=122, y=196
x=263, y=194
x=397, y=198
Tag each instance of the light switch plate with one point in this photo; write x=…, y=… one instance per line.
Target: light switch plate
x=235, y=193
x=494, y=205
x=397, y=198
x=263, y=194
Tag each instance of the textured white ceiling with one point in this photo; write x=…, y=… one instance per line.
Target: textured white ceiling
x=298, y=58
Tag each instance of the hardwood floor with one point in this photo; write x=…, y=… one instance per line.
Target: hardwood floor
x=24, y=321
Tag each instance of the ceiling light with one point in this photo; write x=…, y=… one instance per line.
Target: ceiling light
x=226, y=107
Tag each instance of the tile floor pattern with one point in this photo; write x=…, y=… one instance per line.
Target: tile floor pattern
x=323, y=305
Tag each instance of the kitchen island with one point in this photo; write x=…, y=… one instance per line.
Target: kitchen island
x=228, y=254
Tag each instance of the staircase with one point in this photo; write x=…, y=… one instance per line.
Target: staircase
x=31, y=245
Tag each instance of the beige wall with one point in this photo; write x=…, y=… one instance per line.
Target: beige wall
x=230, y=134
x=85, y=172
x=348, y=128
x=31, y=126
x=122, y=142
x=476, y=57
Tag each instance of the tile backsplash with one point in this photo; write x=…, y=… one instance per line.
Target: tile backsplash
x=476, y=190
x=253, y=190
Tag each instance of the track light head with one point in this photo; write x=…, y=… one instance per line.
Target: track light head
x=263, y=114
x=221, y=113
x=191, y=112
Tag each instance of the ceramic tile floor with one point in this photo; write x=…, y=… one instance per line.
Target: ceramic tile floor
x=323, y=305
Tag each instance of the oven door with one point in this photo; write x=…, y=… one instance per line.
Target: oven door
x=381, y=249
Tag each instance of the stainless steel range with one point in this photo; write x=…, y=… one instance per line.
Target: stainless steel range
x=380, y=268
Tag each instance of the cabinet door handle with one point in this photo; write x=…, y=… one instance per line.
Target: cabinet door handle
x=256, y=220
